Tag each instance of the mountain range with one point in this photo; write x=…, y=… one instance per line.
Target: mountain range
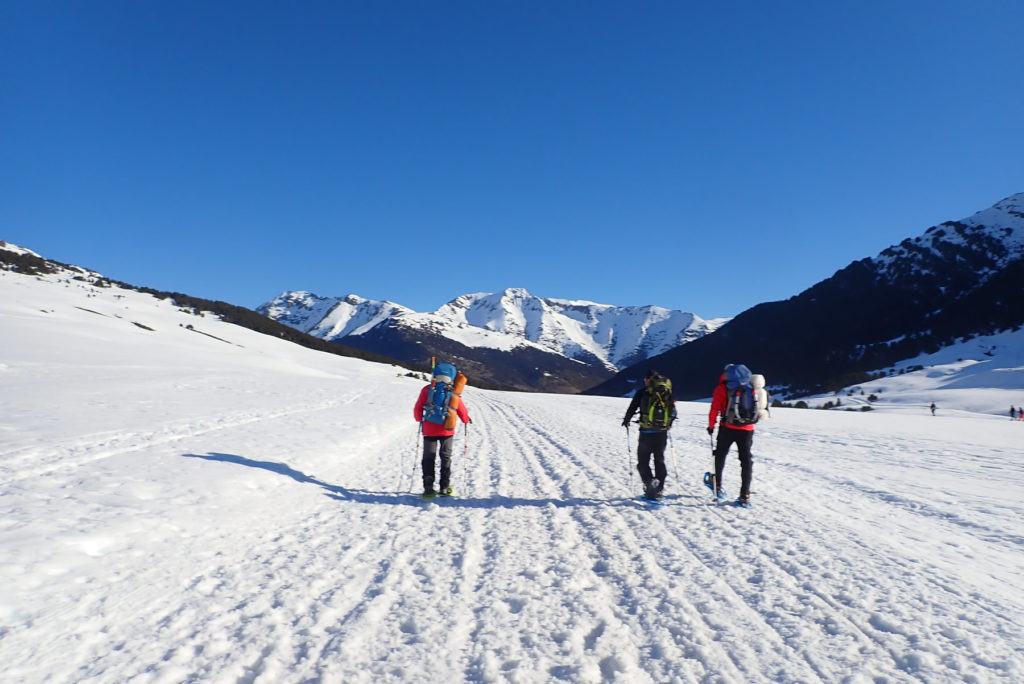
x=510, y=339
x=958, y=280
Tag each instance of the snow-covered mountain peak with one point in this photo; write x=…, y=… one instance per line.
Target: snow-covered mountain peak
x=1005, y=220
x=7, y=246
x=597, y=334
x=513, y=311
x=300, y=299
x=298, y=309
x=329, y=318
x=1014, y=204
x=516, y=294
x=984, y=243
x=581, y=329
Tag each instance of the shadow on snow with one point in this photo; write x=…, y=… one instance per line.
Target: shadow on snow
x=406, y=498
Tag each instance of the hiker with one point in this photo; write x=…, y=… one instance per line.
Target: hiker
x=436, y=409
x=932, y=407
x=657, y=413
x=741, y=402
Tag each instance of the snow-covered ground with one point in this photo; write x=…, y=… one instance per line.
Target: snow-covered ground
x=981, y=375
x=214, y=505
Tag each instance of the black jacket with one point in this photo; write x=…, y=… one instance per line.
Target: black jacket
x=635, y=405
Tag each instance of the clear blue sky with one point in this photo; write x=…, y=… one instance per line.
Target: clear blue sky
x=697, y=156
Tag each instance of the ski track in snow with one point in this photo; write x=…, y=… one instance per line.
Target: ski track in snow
x=543, y=568
x=37, y=461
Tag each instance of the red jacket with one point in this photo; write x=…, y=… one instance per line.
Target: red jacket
x=719, y=400
x=433, y=429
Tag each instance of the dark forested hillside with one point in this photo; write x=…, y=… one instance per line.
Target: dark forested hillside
x=958, y=280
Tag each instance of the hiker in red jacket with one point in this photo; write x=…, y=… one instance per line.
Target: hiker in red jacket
x=729, y=434
x=436, y=437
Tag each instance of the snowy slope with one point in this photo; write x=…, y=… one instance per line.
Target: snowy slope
x=330, y=318
x=617, y=335
x=215, y=505
x=983, y=375
x=996, y=233
x=7, y=246
x=608, y=335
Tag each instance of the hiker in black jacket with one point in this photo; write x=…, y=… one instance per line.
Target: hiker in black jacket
x=657, y=412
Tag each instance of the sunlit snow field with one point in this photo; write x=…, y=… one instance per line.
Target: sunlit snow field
x=215, y=505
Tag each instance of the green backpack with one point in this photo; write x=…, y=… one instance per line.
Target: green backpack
x=656, y=405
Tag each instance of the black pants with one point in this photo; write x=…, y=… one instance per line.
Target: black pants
x=651, y=444
x=744, y=440
x=430, y=449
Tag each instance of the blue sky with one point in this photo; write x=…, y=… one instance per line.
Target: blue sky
x=697, y=156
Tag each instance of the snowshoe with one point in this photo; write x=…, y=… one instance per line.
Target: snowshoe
x=744, y=502
x=708, y=482
x=446, y=491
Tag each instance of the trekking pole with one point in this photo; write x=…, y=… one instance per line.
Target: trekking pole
x=714, y=469
x=416, y=457
x=401, y=472
x=675, y=461
x=465, y=454
x=629, y=459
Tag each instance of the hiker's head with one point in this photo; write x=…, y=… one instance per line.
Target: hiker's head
x=725, y=371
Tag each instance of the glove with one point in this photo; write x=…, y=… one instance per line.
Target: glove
x=625, y=422
x=711, y=431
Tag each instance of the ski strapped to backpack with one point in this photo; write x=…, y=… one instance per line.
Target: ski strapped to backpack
x=747, y=400
x=444, y=395
x=656, y=406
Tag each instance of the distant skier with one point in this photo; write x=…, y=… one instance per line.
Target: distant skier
x=1013, y=412
x=657, y=413
x=933, y=408
x=436, y=409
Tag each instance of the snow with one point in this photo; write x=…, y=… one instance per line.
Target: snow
x=214, y=505
x=982, y=375
x=1003, y=222
x=7, y=246
x=1009, y=215
x=504, y=321
x=353, y=316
